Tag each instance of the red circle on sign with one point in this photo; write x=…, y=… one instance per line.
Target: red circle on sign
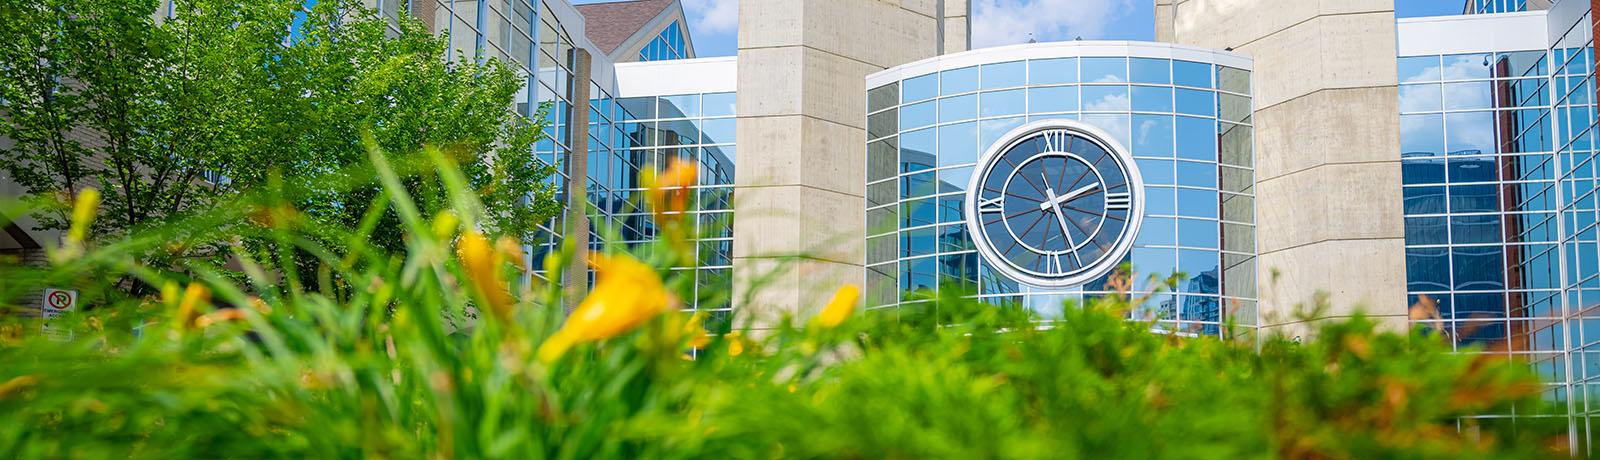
x=60, y=300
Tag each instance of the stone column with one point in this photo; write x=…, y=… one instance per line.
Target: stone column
x=1327, y=147
x=575, y=282
x=799, y=220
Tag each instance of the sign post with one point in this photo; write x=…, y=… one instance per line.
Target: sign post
x=55, y=303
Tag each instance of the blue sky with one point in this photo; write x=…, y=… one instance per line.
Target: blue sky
x=714, y=23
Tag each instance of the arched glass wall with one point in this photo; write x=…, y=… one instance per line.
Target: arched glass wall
x=1183, y=113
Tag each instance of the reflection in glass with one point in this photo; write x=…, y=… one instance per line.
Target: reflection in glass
x=1421, y=135
x=1052, y=71
x=958, y=108
x=958, y=144
x=1104, y=70
x=1152, y=99
x=1148, y=70
x=1152, y=136
x=919, y=88
x=1419, y=68
x=1197, y=139
x=1053, y=99
x=1003, y=103
x=1196, y=74
x=1004, y=75
x=958, y=81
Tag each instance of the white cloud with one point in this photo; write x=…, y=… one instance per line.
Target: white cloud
x=713, y=17
x=1008, y=22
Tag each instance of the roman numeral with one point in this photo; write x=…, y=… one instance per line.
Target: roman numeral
x=1055, y=140
x=1119, y=200
x=991, y=205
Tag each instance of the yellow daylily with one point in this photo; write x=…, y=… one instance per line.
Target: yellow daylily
x=83, y=211
x=482, y=264
x=840, y=308
x=193, y=296
x=668, y=192
x=626, y=294
x=695, y=331
x=735, y=343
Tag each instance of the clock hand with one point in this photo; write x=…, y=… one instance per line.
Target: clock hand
x=1061, y=219
x=1075, y=194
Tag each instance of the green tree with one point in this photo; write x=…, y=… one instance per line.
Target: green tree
x=167, y=115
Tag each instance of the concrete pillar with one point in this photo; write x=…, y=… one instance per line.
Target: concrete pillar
x=575, y=282
x=798, y=225
x=1327, y=146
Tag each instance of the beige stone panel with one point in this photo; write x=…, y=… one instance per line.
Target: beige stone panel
x=928, y=8
x=873, y=32
x=1232, y=23
x=956, y=8
x=955, y=34
x=1357, y=275
x=1344, y=51
x=768, y=23
x=1163, y=19
x=1328, y=127
x=1332, y=202
x=784, y=221
x=794, y=80
x=765, y=289
x=800, y=150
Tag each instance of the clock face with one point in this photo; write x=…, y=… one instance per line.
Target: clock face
x=1054, y=204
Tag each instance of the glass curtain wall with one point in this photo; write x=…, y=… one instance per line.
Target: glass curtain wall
x=1186, y=123
x=668, y=45
x=1573, y=88
x=1495, y=6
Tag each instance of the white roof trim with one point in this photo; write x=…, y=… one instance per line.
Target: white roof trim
x=1078, y=48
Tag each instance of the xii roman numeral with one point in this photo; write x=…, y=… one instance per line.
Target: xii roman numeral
x=1055, y=141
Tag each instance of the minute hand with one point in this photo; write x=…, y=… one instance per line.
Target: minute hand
x=1073, y=195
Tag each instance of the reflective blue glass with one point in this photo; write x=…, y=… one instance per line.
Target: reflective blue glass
x=1468, y=95
x=1428, y=269
x=917, y=150
x=1152, y=261
x=1196, y=102
x=1053, y=99
x=1419, y=69
x=1473, y=198
x=1424, y=200
x=1477, y=268
x=989, y=131
x=1159, y=201
x=1102, y=98
x=1185, y=73
x=1197, y=203
x=1004, y=75
x=1421, y=135
x=1158, y=172
x=717, y=130
x=719, y=104
x=1115, y=123
x=1104, y=69
x=1147, y=70
x=1157, y=231
x=1197, y=138
x=918, y=115
x=954, y=179
x=916, y=213
x=1152, y=136
x=1472, y=169
x=1002, y=103
x=1052, y=71
x=1426, y=230
x=1422, y=171
x=958, y=81
x=958, y=144
x=1152, y=98
x=1421, y=98
x=1196, y=233
x=1468, y=66
x=919, y=88
x=1200, y=271
x=1475, y=229
x=1197, y=174
x=958, y=108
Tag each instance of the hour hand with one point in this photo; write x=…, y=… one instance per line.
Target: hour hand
x=1069, y=196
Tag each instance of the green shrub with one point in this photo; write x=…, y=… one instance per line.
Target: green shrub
x=385, y=355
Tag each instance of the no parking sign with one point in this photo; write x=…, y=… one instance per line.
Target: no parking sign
x=58, y=301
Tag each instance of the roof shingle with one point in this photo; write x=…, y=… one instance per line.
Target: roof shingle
x=609, y=24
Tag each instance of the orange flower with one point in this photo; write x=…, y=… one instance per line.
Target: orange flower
x=625, y=295
x=840, y=308
x=668, y=192
x=482, y=264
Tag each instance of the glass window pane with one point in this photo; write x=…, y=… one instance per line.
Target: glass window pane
x=1427, y=269
x=680, y=106
x=918, y=115
x=1157, y=231
x=1105, y=70
x=1478, y=229
x=1467, y=95
x=1473, y=198
x=1197, y=174
x=1195, y=233
x=1185, y=73
x=1424, y=200
x=958, y=81
x=1116, y=124
x=1233, y=108
x=878, y=98
x=958, y=108
x=1472, y=169
x=917, y=149
x=1004, y=75
x=883, y=123
x=1421, y=98
x=1197, y=203
x=1003, y=103
x=958, y=144
x=1467, y=66
x=1152, y=98
x=1105, y=98
x=1419, y=68
x=717, y=130
x=990, y=131
x=882, y=157
x=1053, y=99
x=1152, y=136
x=1196, y=102
x=1426, y=230
x=1233, y=80
x=1156, y=172
x=1469, y=132
x=727, y=104
x=1052, y=71
x=1423, y=171
x=1197, y=138
x=1477, y=268
x=1421, y=135
x=1147, y=70
x=919, y=88
x=1159, y=201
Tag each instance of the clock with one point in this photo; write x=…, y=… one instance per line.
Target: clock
x=1054, y=204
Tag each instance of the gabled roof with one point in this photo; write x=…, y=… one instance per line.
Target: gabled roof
x=610, y=24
